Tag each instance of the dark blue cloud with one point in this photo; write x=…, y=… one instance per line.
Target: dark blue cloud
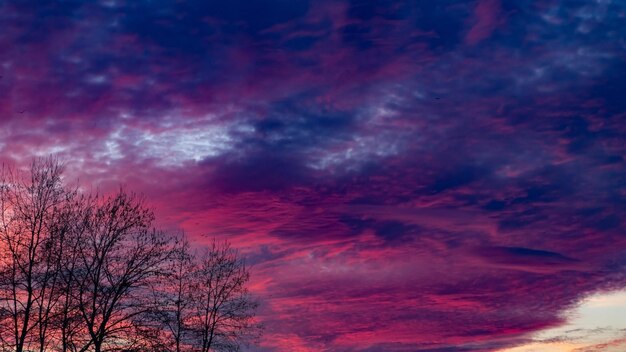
x=521, y=255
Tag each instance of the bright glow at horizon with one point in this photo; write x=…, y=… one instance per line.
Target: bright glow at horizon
x=597, y=324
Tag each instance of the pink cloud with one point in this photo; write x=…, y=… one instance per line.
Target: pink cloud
x=487, y=18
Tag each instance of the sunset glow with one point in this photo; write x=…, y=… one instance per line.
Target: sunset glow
x=433, y=176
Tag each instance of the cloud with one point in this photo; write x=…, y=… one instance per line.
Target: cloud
x=486, y=17
x=526, y=259
x=436, y=176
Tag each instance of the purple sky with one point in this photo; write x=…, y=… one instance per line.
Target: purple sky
x=403, y=176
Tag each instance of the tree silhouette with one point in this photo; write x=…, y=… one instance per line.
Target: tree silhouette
x=30, y=211
x=206, y=306
x=83, y=272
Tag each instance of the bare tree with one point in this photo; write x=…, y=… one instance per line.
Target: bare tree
x=119, y=256
x=63, y=228
x=173, y=299
x=31, y=209
x=209, y=307
x=66, y=320
x=226, y=310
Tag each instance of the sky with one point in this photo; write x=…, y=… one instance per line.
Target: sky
x=431, y=176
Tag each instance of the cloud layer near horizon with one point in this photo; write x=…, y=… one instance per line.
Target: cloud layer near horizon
x=432, y=176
